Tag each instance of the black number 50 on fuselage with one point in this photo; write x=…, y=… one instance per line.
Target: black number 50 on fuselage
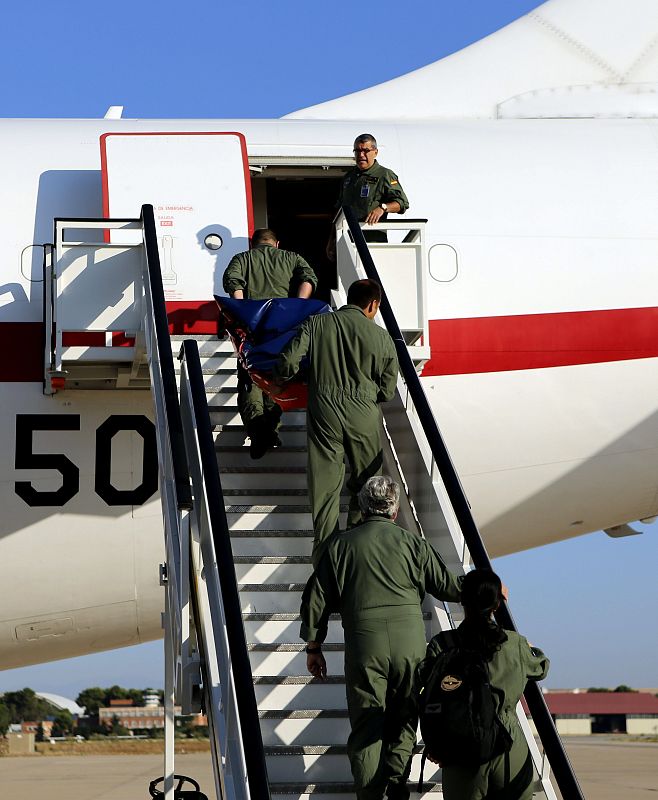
x=26, y=458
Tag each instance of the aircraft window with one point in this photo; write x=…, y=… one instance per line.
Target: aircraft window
x=213, y=241
x=443, y=262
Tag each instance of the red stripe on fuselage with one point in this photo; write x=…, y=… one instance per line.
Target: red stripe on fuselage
x=22, y=346
x=192, y=316
x=83, y=338
x=537, y=341
x=458, y=346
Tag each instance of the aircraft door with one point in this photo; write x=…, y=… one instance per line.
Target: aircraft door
x=199, y=187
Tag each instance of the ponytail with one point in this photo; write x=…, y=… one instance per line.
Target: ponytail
x=481, y=594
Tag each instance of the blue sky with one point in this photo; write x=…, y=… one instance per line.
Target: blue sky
x=589, y=602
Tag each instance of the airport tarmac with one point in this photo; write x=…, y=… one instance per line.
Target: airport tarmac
x=608, y=769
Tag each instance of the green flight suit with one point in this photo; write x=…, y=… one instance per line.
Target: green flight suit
x=353, y=367
x=375, y=576
x=509, y=670
x=261, y=273
x=364, y=190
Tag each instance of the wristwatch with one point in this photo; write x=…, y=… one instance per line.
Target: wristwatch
x=384, y=206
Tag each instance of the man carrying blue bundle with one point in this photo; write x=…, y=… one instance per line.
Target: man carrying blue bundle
x=260, y=273
x=352, y=369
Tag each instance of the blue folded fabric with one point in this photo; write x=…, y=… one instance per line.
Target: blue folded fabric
x=269, y=325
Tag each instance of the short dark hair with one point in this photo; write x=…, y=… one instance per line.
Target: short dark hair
x=366, y=137
x=261, y=235
x=362, y=293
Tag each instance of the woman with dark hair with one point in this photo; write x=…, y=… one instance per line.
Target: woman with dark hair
x=511, y=662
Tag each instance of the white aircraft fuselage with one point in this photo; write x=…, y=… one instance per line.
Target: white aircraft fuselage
x=543, y=374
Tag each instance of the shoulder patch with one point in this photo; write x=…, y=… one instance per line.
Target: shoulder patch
x=450, y=683
x=393, y=182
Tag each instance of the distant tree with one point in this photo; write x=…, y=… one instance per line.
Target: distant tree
x=62, y=724
x=40, y=735
x=91, y=699
x=89, y=727
x=186, y=726
x=5, y=719
x=117, y=693
x=623, y=688
x=117, y=728
x=137, y=696
x=24, y=705
x=598, y=689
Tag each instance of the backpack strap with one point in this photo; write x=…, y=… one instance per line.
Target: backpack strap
x=422, y=769
x=448, y=639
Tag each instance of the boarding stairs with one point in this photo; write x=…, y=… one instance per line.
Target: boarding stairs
x=275, y=732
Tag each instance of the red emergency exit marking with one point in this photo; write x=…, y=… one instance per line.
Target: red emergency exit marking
x=168, y=222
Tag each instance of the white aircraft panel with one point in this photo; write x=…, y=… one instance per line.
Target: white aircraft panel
x=198, y=185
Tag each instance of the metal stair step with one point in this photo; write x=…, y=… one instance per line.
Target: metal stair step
x=235, y=436
x=283, y=597
x=271, y=518
x=226, y=413
x=212, y=363
x=283, y=428
x=297, y=680
x=289, y=659
x=294, y=499
x=339, y=791
x=271, y=587
x=296, y=693
x=317, y=764
x=224, y=381
x=283, y=628
x=278, y=457
x=272, y=569
x=287, y=492
x=290, y=499
x=256, y=471
x=272, y=543
x=221, y=402
x=271, y=508
x=327, y=726
x=258, y=478
x=208, y=344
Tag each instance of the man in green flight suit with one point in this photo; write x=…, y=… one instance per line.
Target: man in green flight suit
x=371, y=190
x=353, y=367
x=260, y=273
x=375, y=576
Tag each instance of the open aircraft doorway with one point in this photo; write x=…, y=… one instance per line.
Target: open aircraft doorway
x=299, y=204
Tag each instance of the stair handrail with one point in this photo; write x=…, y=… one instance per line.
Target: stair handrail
x=175, y=490
x=546, y=730
x=232, y=659
x=245, y=772
x=155, y=299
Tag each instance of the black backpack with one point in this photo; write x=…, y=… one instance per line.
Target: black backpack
x=458, y=719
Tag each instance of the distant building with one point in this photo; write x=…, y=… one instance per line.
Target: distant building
x=582, y=713
x=62, y=703
x=150, y=715
x=33, y=727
